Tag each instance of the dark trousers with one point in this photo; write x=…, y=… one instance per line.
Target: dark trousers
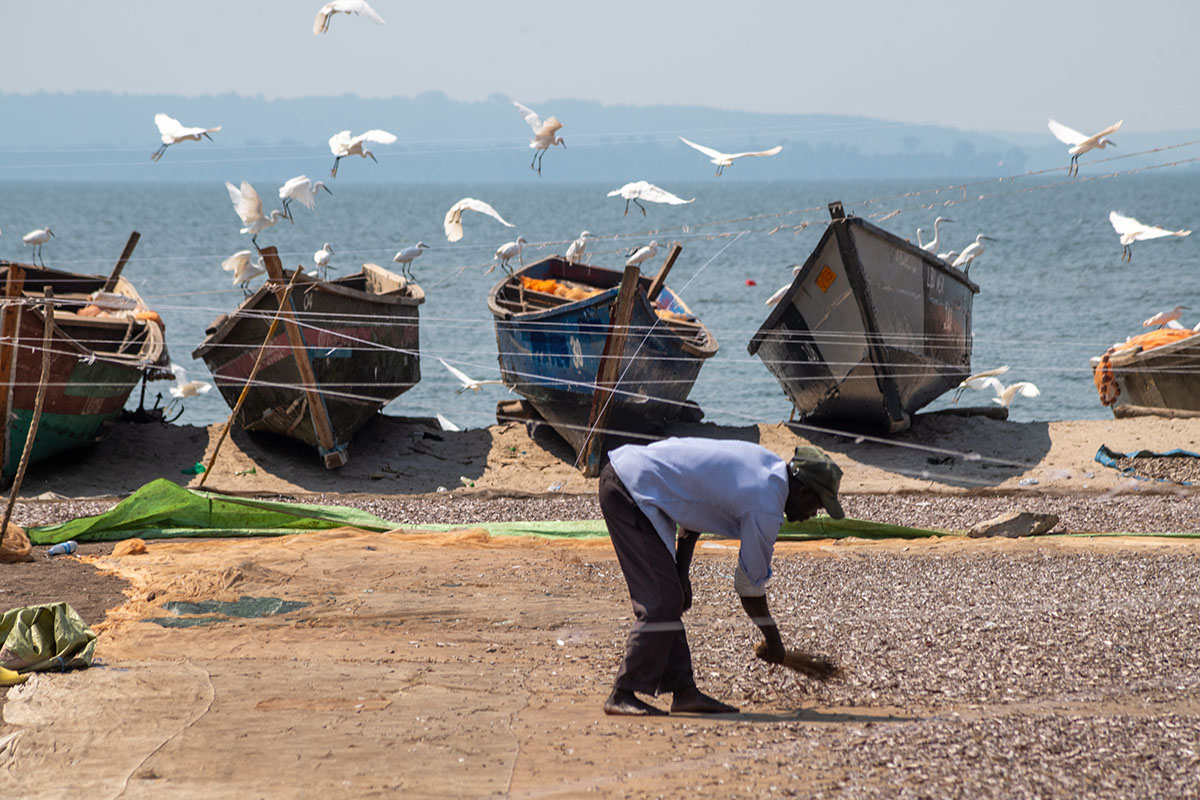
x=657, y=658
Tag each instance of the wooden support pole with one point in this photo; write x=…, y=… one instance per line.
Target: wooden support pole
x=39, y=401
x=660, y=279
x=111, y=283
x=332, y=454
x=608, y=372
x=10, y=322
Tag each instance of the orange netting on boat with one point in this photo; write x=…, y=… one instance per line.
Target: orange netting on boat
x=551, y=286
x=1106, y=382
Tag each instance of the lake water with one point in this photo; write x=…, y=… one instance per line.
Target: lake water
x=1053, y=289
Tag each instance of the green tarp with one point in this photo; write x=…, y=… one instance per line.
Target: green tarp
x=50, y=637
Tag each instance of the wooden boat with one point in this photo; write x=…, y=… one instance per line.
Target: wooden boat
x=552, y=346
x=871, y=329
x=343, y=350
x=1156, y=373
x=103, y=342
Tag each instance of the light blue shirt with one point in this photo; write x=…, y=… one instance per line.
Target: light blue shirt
x=725, y=487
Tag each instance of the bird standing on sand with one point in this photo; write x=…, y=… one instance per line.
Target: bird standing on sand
x=1080, y=143
x=1163, y=317
x=321, y=24
x=642, y=254
x=576, y=248
x=466, y=380
x=452, y=224
x=37, y=238
x=507, y=252
x=642, y=190
x=342, y=144
x=970, y=253
x=406, y=256
x=932, y=246
x=980, y=380
x=723, y=160
x=1133, y=231
x=301, y=189
x=248, y=206
x=173, y=132
x=243, y=270
x=184, y=387
x=321, y=259
x=543, y=134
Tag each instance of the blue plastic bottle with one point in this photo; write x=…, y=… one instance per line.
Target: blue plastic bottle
x=63, y=548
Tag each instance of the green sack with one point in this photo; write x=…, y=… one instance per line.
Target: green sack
x=45, y=638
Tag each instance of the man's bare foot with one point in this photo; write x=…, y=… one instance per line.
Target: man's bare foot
x=622, y=703
x=694, y=701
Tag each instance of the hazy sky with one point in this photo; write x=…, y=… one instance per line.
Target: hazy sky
x=973, y=65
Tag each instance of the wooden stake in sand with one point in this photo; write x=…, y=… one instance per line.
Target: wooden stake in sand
x=283, y=302
x=48, y=292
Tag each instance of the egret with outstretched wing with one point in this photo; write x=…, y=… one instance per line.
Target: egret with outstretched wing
x=466, y=380
x=453, y=221
x=1081, y=143
x=342, y=144
x=321, y=24
x=1133, y=231
x=173, y=132
x=643, y=190
x=723, y=160
x=543, y=134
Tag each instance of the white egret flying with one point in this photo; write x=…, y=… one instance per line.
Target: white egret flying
x=723, y=160
x=970, y=253
x=543, y=134
x=453, y=221
x=173, y=132
x=248, y=206
x=576, y=248
x=243, y=269
x=37, y=238
x=321, y=258
x=507, y=252
x=406, y=256
x=1133, y=231
x=321, y=24
x=184, y=387
x=1006, y=394
x=932, y=246
x=342, y=144
x=641, y=190
x=980, y=380
x=1163, y=317
x=466, y=380
x=302, y=190
x=1080, y=143
x=642, y=255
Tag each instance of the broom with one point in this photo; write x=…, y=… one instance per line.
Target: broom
x=813, y=666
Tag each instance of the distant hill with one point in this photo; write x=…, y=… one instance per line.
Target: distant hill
x=105, y=136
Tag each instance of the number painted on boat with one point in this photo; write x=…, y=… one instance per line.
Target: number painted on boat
x=825, y=279
x=576, y=353
x=935, y=280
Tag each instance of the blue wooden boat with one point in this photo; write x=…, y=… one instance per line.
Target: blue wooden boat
x=550, y=348
x=871, y=329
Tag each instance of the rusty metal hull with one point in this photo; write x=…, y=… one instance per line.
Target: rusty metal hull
x=871, y=329
x=1165, y=378
x=550, y=354
x=362, y=338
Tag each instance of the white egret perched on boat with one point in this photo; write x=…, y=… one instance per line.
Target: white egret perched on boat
x=642, y=255
x=1133, y=231
x=321, y=23
x=932, y=245
x=543, y=134
x=782, y=290
x=1081, y=143
x=643, y=190
x=970, y=253
x=303, y=190
x=35, y=239
x=406, y=256
x=1163, y=317
x=184, y=387
x=980, y=380
x=723, y=160
x=173, y=132
x=466, y=380
x=508, y=251
x=243, y=269
x=248, y=206
x=452, y=224
x=342, y=144
x=576, y=249
x=321, y=259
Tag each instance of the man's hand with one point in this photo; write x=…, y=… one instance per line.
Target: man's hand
x=771, y=649
x=686, y=583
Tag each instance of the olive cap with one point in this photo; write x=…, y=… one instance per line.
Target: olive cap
x=817, y=470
